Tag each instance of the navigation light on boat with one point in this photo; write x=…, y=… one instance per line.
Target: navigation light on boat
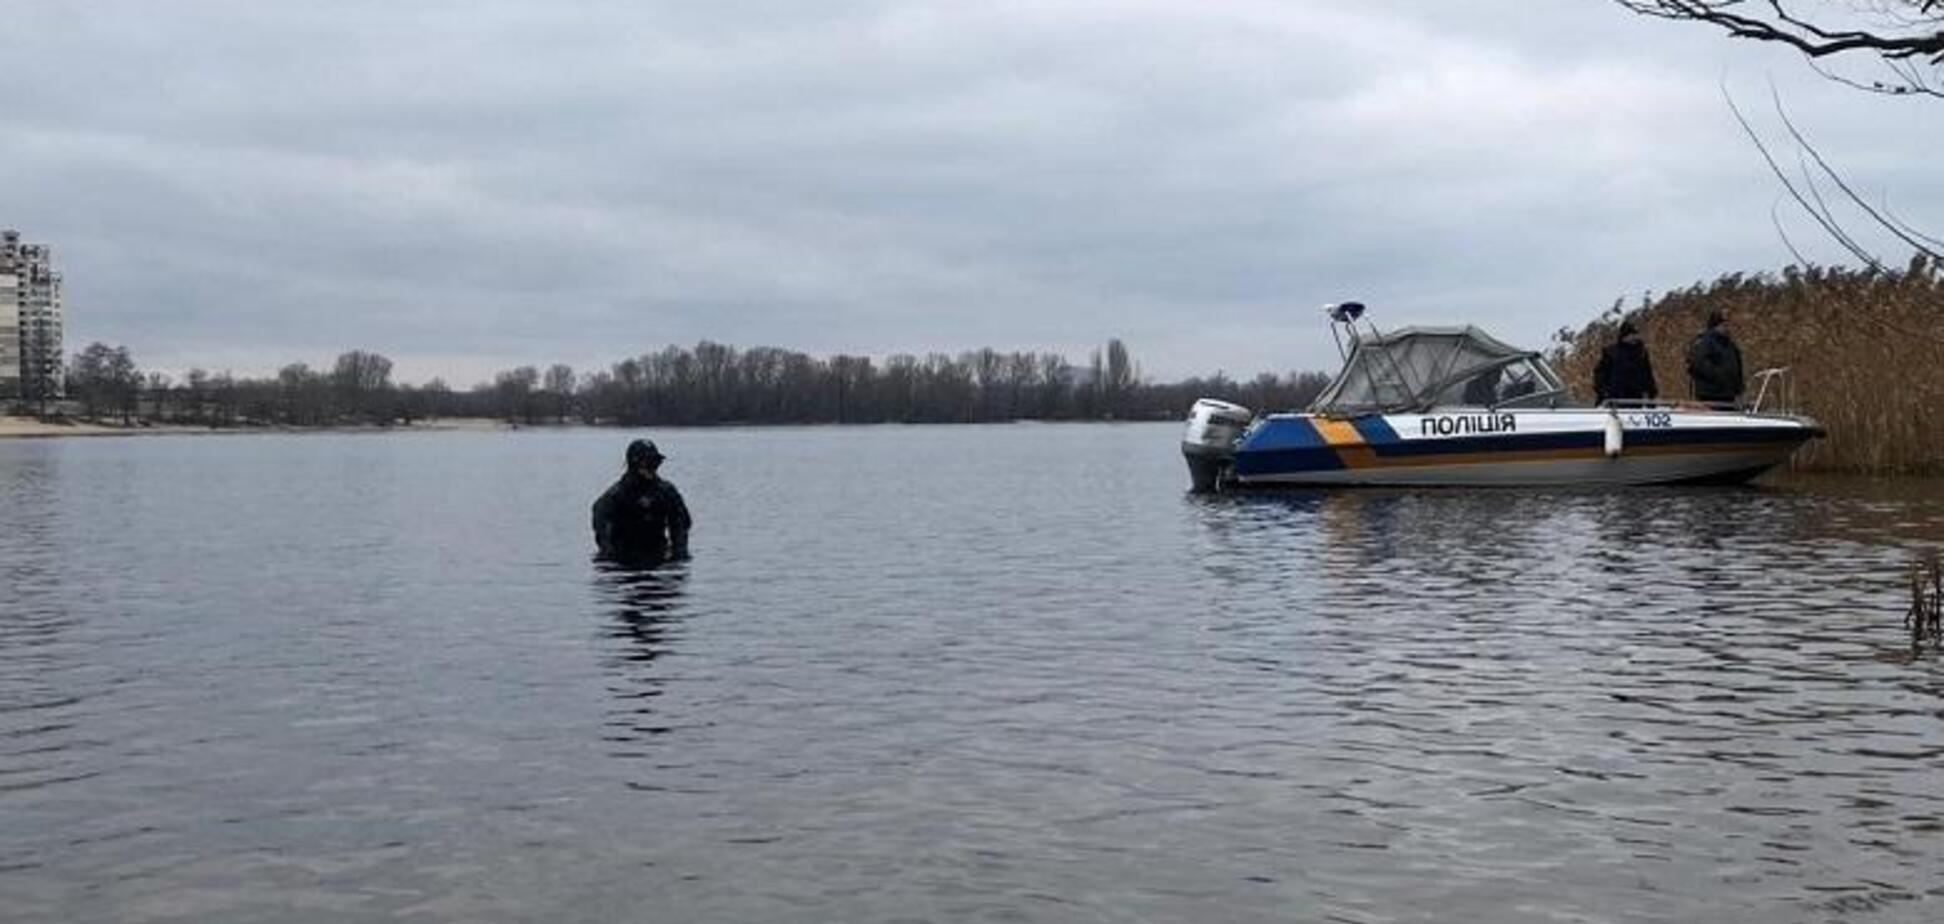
x=1345, y=312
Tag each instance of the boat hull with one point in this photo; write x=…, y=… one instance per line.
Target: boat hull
x=1475, y=447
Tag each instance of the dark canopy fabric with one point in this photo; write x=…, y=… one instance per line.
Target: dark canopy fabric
x=1417, y=367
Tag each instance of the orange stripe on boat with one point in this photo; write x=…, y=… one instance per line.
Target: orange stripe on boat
x=1337, y=432
x=1349, y=444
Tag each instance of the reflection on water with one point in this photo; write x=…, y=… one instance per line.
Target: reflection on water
x=976, y=673
x=46, y=691
x=647, y=608
x=1688, y=688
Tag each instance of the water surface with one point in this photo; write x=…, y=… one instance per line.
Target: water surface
x=1007, y=673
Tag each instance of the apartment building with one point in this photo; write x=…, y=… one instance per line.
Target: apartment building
x=9, y=335
x=36, y=320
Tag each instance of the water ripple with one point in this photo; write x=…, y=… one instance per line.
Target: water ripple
x=1005, y=673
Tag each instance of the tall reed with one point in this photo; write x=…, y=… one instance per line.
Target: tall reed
x=1865, y=347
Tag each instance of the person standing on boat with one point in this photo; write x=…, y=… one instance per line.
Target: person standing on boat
x=1625, y=371
x=1714, y=363
x=642, y=518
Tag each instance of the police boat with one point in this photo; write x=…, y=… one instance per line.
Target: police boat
x=1455, y=406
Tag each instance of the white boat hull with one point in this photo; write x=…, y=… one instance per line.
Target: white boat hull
x=1478, y=447
x=1635, y=469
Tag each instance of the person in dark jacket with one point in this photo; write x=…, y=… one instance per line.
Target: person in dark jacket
x=642, y=517
x=1625, y=372
x=1714, y=362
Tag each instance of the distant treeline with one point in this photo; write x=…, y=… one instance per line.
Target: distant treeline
x=710, y=383
x=1865, y=347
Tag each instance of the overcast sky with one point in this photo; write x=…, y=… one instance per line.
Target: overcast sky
x=470, y=186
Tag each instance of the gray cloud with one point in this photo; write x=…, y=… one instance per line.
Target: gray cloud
x=469, y=186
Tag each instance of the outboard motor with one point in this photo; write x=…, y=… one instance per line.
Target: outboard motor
x=1209, y=443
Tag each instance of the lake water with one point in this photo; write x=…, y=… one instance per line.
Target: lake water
x=1004, y=673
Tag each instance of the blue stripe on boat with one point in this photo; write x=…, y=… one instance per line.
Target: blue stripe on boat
x=1284, y=433
x=1285, y=444
x=1374, y=430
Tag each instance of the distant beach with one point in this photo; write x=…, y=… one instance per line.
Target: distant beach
x=32, y=428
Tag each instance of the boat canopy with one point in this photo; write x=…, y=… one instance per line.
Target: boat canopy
x=1417, y=368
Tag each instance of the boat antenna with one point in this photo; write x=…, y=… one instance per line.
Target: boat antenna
x=1346, y=315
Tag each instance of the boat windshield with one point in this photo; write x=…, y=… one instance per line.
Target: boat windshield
x=1422, y=367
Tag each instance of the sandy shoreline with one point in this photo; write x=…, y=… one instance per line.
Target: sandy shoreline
x=30, y=428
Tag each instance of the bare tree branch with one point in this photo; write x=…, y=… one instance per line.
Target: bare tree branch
x=1900, y=32
x=1907, y=227
x=1775, y=218
x=1827, y=217
x=1828, y=226
x=1909, y=80
x=1837, y=178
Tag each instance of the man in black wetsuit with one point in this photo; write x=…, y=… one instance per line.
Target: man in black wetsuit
x=641, y=518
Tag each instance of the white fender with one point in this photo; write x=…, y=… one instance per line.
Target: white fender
x=1614, y=438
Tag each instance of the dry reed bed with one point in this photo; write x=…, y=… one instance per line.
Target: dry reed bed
x=1866, y=348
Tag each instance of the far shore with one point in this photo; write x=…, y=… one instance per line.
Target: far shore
x=32, y=428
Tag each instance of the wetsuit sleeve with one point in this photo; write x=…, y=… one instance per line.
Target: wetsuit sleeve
x=602, y=516
x=679, y=522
